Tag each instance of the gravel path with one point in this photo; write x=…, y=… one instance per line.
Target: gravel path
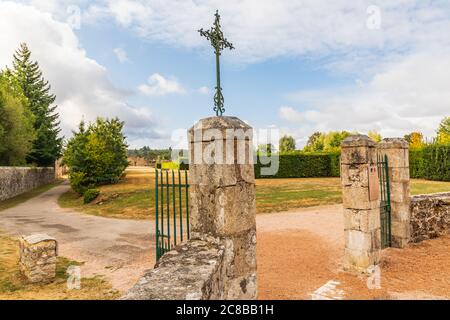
x=298, y=252
x=119, y=249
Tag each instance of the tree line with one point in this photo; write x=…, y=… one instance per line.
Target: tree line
x=330, y=142
x=29, y=125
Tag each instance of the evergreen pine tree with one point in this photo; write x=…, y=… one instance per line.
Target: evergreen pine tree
x=47, y=145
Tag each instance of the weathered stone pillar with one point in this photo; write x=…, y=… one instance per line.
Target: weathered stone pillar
x=360, y=194
x=397, y=151
x=38, y=254
x=222, y=197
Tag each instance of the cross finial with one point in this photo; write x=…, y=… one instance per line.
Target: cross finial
x=219, y=43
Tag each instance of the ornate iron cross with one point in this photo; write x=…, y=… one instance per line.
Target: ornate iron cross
x=219, y=43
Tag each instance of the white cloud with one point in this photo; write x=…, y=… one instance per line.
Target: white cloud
x=335, y=30
x=121, y=55
x=81, y=84
x=404, y=97
x=203, y=90
x=158, y=85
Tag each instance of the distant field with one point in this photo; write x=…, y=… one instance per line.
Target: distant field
x=134, y=197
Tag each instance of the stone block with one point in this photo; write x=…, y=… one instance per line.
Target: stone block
x=221, y=152
x=222, y=211
x=355, y=175
x=361, y=220
x=221, y=175
x=397, y=158
x=400, y=211
x=37, y=260
x=400, y=192
x=220, y=128
x=360, y=261
x=397, y=174
x=357, y=198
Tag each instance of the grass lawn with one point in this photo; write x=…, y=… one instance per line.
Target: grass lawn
x=134, y=197
x=9, y=203
x=13, y=285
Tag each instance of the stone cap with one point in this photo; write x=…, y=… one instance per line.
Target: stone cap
x=218, y=124
x=357, y=140
x=393, y=143
x=36, y=238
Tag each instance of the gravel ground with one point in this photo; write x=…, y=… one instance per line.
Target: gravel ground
x=299, y=252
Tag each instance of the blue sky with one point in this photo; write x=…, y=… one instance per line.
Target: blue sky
x=299, y=66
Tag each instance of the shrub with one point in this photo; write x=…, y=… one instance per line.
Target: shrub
x=432, y=162
x=416, y=167
x=90, y=195
x=78, y=182
x=303, y=165
x=96, y=155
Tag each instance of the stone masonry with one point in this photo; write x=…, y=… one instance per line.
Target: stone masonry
x=361, y=205
x=430, y=216
x=222, y=197
x=38, y=254
x=17, y=180
x=219, y=261
x=397, y=151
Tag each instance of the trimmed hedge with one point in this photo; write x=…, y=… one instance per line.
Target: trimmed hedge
x=431, y=162
x=303, y=165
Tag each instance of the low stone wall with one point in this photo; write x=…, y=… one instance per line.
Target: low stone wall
x=430, y=216
x=17, y=180
x=195, y=270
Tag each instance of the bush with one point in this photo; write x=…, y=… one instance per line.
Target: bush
x=436, y=162
x=416, y=167
x=78, y=182
x=303, y=165
x=432, y=162
x=90, y=195
x=96, y=155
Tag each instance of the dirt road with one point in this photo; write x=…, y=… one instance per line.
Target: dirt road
x=119, y=249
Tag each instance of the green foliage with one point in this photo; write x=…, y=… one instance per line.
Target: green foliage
x=150, y=154
x=265, y=149
x=326, y=142
x=16, y=123
x=96, y=155
x=47, y=144
x=287, y=144
x=415, y=140
x=431, y=162
x=90, y=195
x=443, y=133
x=78, y=183
x=375, y=136
x=303, y=165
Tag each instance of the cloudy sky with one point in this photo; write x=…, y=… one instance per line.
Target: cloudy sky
x=299, y=65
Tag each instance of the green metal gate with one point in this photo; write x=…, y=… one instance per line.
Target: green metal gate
x=172, y=209
x=385, y=201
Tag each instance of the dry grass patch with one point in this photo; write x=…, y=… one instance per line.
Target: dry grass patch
x=13, y=285
x=134, y=196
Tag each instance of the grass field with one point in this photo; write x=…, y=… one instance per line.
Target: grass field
x=13, y=285
x=134, y=196
x=27, y=195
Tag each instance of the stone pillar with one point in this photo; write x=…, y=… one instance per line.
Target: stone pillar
x=222, y=197
x=360, y=195
x=38, y=254
x=397, y=151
